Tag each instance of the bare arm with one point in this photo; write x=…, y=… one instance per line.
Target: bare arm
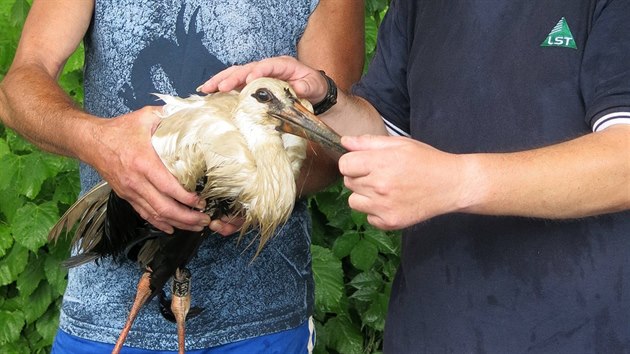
x=351, y=115
x=333, y=42
x=582, y=177
x=34, y=105
x=586, y=176
x=30, y=96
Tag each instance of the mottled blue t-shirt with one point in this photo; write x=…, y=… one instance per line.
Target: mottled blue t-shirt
x=135, y=48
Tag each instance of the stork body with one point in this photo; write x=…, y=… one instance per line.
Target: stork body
x=228, y=147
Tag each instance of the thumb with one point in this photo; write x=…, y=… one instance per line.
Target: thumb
x=305, y=89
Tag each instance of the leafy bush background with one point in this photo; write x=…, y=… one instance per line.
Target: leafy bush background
x=353, y=263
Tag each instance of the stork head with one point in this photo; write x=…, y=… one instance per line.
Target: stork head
x=273, y=102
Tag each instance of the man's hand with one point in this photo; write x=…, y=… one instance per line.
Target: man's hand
x=126, y=159
x=307, y=82
x=398, y=181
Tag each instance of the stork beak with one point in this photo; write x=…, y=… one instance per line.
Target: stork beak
x=298, y=120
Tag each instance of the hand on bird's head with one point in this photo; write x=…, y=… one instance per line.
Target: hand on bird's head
x=307, y=82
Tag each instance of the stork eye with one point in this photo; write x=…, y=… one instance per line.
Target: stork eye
x=262, y=95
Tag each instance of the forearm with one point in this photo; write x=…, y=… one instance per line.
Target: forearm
x=586, y=176
x=38, y=109
x=352, y=115
x=338, y=49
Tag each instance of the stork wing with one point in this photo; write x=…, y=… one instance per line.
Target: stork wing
x=198, y=135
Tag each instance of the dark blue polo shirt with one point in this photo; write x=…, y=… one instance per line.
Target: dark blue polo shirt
x=500, y=76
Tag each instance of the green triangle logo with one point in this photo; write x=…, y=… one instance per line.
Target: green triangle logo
x=560, y=36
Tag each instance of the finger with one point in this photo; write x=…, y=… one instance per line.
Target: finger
x=379, y=223
x=369, y=142
x=212, y=84
x=223, y=228
x=366, y=205
x=167, y=214
x=360, y=203
x=145, y=212
x=237, y=221
x=355, y=164
x=169, y=201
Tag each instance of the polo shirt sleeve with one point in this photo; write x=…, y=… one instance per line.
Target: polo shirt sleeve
x=385, y=83
x=605, y=73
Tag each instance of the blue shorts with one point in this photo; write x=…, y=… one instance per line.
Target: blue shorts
x=296, y=340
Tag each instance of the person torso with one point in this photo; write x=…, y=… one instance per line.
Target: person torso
x=496, y=76
x=134, y=49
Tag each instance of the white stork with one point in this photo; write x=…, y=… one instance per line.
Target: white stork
x=239, y=151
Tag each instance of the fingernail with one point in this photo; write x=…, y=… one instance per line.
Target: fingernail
x=216, y=225
x=198, y=89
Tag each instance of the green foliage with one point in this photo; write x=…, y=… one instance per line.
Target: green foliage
x=353, y=263
x=35, y=188
x=354, y=266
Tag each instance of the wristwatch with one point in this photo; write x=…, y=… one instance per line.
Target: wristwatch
x=331, y=96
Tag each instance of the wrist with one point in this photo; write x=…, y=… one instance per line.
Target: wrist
x=330, y=98
x=473, y=185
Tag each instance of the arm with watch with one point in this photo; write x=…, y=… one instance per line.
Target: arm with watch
x=343, y=112
x=331, y=96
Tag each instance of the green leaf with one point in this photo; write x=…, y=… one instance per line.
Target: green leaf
x=344, y=336
x=29, y=279
x=390, y=268
x=53, y=269
x=335, y=207
x=375, y=6
x=75, y=62
x=6, y=239
x=363, y=255
x=365, y=295
x=66, y=187
x=51, y=164
x=13, y=264
x=33, y=338
x=376, y=312
x=72, y=83
x=344, y=244
x=11, y=200
x=359, y=219
x=18, y=144
x=369, y=279
x=33, y=222
x=12, y=324
x=38, y=302
x=328, y=276
x=321, y=341
x=19, y=11
x=4, y=147
x=386, y=244
x=367, y=284
x=47, y=324
x=24, y=172
x=21, y=346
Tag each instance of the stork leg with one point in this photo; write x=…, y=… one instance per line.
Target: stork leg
x=180, y=303
x=142, y=294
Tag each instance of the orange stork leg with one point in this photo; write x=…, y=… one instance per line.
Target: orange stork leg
x=143, y=293
x=180, y=303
